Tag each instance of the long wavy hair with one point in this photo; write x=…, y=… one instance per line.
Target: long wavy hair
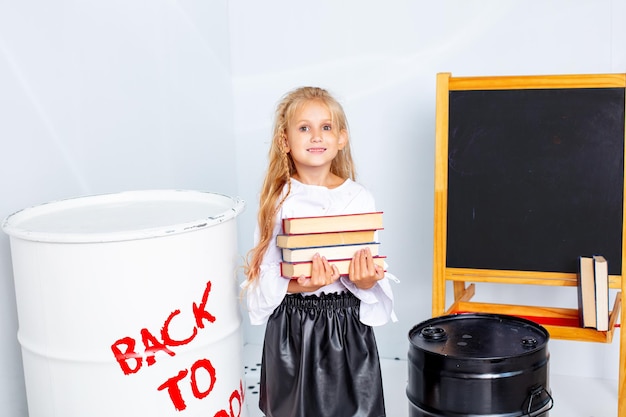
x=281, y=166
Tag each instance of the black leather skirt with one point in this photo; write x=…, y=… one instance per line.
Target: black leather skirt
x=319, y=360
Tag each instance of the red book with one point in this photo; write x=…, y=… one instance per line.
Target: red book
x=325, y=239
x=339, y=223
x=294, y=270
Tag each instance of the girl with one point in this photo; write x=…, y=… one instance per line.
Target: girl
x=319, y=355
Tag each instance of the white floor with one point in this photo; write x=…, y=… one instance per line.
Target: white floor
x=573, y=397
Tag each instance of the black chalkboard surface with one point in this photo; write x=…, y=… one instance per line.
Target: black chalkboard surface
x=535, y=178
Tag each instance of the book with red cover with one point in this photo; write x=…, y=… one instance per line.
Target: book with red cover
x=325, y=239
x=339, y=223
x=294, y=270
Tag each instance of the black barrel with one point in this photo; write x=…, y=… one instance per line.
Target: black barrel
x=478, y=365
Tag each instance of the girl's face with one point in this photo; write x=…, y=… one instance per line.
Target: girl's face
x=312, y=139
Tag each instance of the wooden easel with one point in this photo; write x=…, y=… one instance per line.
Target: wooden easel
x=561, y=323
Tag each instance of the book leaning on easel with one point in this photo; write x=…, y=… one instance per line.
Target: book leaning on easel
x=337, y=238
x=586, y=293
x=601, y=274
x=593, y=292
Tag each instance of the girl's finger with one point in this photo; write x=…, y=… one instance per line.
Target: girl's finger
x=302, y=280
x=367, y=263
x=380, y=272
x=317, y=270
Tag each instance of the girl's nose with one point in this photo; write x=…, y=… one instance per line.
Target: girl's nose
x=316, y=135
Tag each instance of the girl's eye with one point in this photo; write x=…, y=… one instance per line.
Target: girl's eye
x=303, y=128
x=327, y=127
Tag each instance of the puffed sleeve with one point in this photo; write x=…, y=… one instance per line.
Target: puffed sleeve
x=268, y=291
x=376, y=302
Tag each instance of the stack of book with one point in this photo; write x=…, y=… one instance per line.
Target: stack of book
x=337, y=238
x=593, y=292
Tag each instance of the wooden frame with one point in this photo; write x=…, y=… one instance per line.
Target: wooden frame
x=464, y=279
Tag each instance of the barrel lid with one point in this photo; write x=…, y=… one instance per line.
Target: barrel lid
x=122, y=216
x=479, y=335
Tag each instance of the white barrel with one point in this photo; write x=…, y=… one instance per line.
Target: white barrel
x=128, y=305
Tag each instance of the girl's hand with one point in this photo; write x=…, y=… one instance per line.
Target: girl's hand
x=363, y=272
x=322, y=274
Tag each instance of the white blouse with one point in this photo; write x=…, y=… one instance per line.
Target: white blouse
x=305, y=200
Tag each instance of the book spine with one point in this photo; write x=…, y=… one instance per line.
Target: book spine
x=332, y=224
x=329, y=252
x=291, y=269
x=325, y=239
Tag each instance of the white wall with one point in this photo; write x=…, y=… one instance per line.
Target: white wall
x=105, y=96
x=381, y=59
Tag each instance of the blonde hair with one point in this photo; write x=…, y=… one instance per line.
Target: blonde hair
x=281, y=166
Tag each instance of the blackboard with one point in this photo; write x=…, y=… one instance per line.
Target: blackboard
x=535, y=178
